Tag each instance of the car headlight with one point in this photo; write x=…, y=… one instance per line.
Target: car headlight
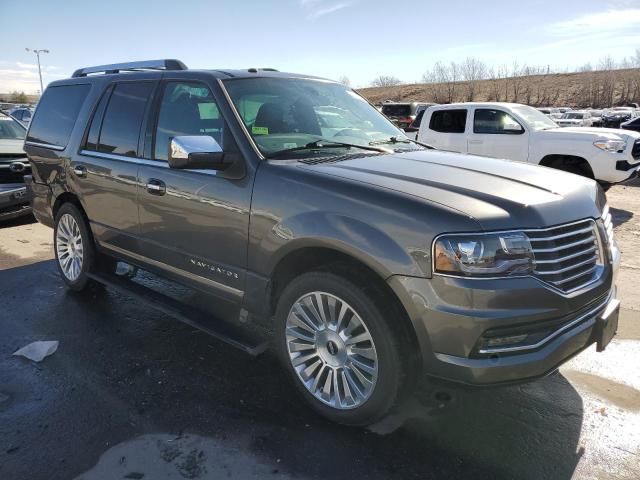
x=480, y=255
x=611, y=145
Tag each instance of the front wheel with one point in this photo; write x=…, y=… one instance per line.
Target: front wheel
x=339, y=347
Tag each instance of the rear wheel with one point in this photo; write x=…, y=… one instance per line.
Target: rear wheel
x=75, y=250
x=339, y=348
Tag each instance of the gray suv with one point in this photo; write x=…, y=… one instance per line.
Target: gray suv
x=362, y=257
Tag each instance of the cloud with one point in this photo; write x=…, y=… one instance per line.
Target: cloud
x=320, y=8
x=23, y=77
x=605, y=22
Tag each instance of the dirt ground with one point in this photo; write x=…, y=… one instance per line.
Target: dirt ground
x=132, y=393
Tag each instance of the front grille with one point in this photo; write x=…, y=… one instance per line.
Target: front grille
x=567, y=256
x=7, y=176
x=635, y=152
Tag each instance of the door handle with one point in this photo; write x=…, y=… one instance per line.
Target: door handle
x=475, y=142
x=156, y=187
x=80, y=171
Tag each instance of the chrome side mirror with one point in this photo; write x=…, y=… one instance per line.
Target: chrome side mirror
x=197, y=152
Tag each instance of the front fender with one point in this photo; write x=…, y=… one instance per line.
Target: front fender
x=348, y=235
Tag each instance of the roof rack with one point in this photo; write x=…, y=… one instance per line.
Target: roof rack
x=166, y=64
x=256, y=70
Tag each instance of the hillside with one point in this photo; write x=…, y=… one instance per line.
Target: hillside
x=583, y=89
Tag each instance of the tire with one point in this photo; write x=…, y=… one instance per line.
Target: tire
x=75, y=249
x=365, y=355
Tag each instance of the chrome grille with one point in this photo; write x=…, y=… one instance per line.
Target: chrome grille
x=566, y=256
x=635, y=152
x=607, y=219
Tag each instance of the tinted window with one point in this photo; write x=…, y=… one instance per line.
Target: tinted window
x=123, y=118
x=94, y=130
x=416, y=123
x=448, y=121
x=495, y=122
x=396, y=110
x=57, y=113
x=186, y=109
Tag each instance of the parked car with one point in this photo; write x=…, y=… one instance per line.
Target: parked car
x=5, y=107
x=365, y=259
x=633, y=124
x=22, y=114
x=403, y=114
x=14, y=199
x=575, y=119
x=412, y=130
x=522, y=133
x=596, y=116
x=614, y=117
x=556, y=113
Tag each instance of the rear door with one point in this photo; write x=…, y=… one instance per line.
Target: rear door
x=105, y=172
x=194, y=223
x=446, y=129
x=496, y=133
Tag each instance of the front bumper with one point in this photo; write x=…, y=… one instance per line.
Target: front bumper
x=14, y=201
x=450, y=316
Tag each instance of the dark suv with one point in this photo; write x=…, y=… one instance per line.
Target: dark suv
x=365, y=258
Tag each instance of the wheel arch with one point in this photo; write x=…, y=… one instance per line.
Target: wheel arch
x=558, y=161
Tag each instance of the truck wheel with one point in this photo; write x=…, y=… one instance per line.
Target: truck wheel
x=73, y=246
x=338, y=345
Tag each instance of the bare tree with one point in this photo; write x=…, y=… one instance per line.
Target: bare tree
x=385, y=81
x=473, y=70
x=345, y=80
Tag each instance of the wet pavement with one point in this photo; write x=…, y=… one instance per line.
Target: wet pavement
x=132, y=393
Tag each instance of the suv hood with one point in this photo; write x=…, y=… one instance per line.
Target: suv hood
x=499, y=194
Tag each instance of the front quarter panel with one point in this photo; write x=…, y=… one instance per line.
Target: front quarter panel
x=391, y=232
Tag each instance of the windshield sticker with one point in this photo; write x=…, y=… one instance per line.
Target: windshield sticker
x=289, y=145
x=260, y=130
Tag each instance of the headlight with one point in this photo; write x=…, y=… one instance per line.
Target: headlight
x=499, y=254
x=611, y=145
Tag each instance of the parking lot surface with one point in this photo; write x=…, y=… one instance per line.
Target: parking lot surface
x=132, y=393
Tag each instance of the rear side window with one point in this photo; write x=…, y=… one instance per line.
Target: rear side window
x=396, y=110
x=448, y=121
x=57, y=113
x=123, y=118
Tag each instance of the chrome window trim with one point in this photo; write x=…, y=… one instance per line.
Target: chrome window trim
x=44, y=145
x=141, y=161
x=553, y=334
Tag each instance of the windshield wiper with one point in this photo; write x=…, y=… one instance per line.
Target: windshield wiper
x=323, y=143
x=394, y=140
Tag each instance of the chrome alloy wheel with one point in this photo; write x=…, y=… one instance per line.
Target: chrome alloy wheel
x=331, y=350
x=69, y=247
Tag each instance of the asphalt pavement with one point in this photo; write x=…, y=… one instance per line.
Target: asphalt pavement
x=132, y=393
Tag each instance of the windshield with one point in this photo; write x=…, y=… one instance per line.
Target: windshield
x=286, y=113
x=10, y=129
x=536, y=119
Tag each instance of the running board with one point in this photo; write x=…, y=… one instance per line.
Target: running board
x=182, y=312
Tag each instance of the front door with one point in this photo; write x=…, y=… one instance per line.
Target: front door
x=194, y=224
x=106, y=169
x=497, y=134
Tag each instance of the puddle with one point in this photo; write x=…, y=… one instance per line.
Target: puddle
x=619, y=394
x=164, y=457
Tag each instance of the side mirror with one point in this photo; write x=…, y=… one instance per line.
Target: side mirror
x=197, y=152
x=512, y=128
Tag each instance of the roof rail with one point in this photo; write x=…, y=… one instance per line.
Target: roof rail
x=166, y=64
x=255, y=70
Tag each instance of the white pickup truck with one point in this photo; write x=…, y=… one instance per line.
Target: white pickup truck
x=522, y=133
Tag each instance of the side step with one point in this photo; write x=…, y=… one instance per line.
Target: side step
x=182, y=312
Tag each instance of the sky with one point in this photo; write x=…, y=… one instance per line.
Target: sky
x=359, y=39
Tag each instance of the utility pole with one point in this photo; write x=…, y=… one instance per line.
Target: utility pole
x=38, y=52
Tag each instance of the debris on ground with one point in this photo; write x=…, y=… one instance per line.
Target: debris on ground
x=38, y=351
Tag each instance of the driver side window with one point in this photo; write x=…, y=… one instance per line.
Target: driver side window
x=187, y=108
x=492, y=121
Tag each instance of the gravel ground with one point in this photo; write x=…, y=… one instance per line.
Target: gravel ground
x=131, y=393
